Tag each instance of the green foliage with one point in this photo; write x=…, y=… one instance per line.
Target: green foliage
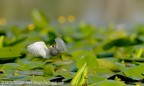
x=135, y=72
x=7, y=53
x=39, y=80
x=83, y=57
x=39, y=18
x=31, y=65
x=93, y=53
x=1, y=41
x=81, y=76
x=121, y=42
x=109, y=83
x=10, y=66
x=107, y=64
x=48, y=70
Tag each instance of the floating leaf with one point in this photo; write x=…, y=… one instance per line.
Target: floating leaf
x=107, y=64
x=109, y=83
x=93, y=79
x=10, y=66
x=85, y=57
x=48, y=70
x=121, y=42
x=135, y=72
x=7, y=53
x=40, y=80
x=31, y=65
x=19, y=41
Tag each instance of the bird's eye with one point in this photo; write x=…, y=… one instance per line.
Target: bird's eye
x=52, y=46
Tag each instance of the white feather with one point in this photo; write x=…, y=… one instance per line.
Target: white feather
x=39, y=48
x=60, y=45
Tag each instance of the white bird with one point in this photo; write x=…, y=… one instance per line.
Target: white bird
x=39, y=48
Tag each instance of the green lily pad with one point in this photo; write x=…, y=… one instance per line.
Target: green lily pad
x=10, y=66
x=107, y=64
x=109, y=83
x=135, y=72
x=31, y=65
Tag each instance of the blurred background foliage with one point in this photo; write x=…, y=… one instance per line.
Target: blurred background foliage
x=96, y=12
